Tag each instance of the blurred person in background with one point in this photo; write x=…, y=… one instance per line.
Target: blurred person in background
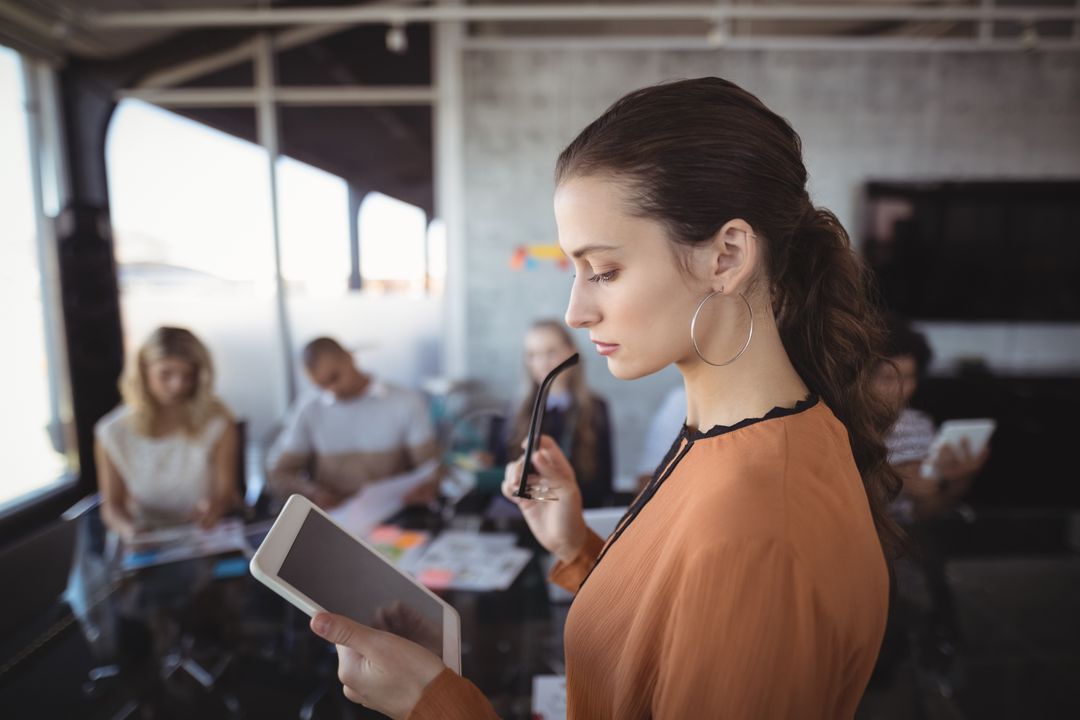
x=169, y=454
x=931, y=496
x=576, y=417
x=925, y=495
x=358, y=430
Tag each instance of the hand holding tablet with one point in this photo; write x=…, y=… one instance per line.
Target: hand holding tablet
x=309, y=560
x=378, y=669
x=394, y=636
x=969, y=437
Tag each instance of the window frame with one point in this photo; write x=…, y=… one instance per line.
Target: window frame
x=50, y=191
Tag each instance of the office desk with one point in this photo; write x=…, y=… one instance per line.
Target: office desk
x=193, y=639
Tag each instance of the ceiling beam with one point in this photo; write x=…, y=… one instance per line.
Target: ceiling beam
x=241, y=53
x=764, y=42
x=48, y=35
x=267, y=16
x=245, y=52
x=322, y=96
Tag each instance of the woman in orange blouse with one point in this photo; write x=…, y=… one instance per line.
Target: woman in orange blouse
x=749, y=579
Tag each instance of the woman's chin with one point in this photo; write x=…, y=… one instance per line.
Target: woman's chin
x=623, y=370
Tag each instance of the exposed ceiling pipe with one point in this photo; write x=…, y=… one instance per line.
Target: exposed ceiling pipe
x=266, y=16
x=764, y=42
x=243, y=52
x=320, y=96
x=49, y=35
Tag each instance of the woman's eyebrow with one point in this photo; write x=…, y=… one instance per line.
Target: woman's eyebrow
x=582, y=252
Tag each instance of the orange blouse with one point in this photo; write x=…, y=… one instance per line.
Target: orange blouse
x=752, y=585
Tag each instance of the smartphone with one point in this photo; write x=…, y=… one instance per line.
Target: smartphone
x=318, y=566
x=976, y=431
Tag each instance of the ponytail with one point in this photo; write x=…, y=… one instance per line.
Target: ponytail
x=834, y=335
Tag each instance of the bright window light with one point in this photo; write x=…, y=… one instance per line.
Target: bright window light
x=32, y=461
x=393, y=235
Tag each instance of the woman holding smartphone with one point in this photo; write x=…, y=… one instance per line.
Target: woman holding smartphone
x=750, y=578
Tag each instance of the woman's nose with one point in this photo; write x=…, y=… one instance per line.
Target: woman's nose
x=580, y=312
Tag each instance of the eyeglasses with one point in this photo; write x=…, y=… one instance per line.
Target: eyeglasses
x=540, y=492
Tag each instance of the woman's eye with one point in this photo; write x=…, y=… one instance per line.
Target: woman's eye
x=601, y=278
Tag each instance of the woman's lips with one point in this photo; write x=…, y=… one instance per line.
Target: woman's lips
x=605, y=348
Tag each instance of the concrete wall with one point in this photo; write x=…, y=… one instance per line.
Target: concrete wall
x=861, y=115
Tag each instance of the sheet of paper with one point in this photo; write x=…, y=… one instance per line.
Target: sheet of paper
x=458, y=560
x=183, y=542
x=549, y=697
x=366, y=510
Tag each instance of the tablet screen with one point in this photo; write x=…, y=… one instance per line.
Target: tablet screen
x=343, y=576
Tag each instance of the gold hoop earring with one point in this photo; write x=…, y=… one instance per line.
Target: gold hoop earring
x=693, y=327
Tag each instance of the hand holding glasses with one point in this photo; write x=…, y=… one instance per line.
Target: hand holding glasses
x=532, y=440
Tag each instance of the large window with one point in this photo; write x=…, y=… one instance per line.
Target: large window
x=314, y=211
x=35, y=413
x=192, y=225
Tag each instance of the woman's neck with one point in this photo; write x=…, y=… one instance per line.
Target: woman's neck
x=759, y=380
x=167, y=420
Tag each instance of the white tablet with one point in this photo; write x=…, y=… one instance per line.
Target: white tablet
x=976, y=431
x=312, y=562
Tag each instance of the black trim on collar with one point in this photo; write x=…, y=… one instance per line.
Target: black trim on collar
x=777, y=412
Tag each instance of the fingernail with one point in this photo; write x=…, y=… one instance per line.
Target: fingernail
x=320, y=624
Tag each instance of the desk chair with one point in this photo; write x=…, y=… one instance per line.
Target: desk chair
x=468, y=436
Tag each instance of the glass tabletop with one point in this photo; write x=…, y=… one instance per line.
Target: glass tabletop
x=201, y=638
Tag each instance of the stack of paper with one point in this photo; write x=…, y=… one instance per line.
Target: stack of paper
x=183, y=542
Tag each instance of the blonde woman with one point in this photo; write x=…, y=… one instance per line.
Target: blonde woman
x=169, y=453
x=576, y=417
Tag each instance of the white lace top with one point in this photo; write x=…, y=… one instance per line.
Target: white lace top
x=165, y=477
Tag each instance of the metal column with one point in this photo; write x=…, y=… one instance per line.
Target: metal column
x=266, y=122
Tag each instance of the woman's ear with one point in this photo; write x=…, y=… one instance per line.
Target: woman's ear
x=733, y=256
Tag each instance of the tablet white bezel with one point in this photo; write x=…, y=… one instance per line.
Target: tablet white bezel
x=978, y=432
x=952, y=432
x=268, y=559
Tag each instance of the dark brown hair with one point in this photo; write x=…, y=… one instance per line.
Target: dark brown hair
x=320, y=347
x=584, y=441
x=902, y=340
x=695, y=154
